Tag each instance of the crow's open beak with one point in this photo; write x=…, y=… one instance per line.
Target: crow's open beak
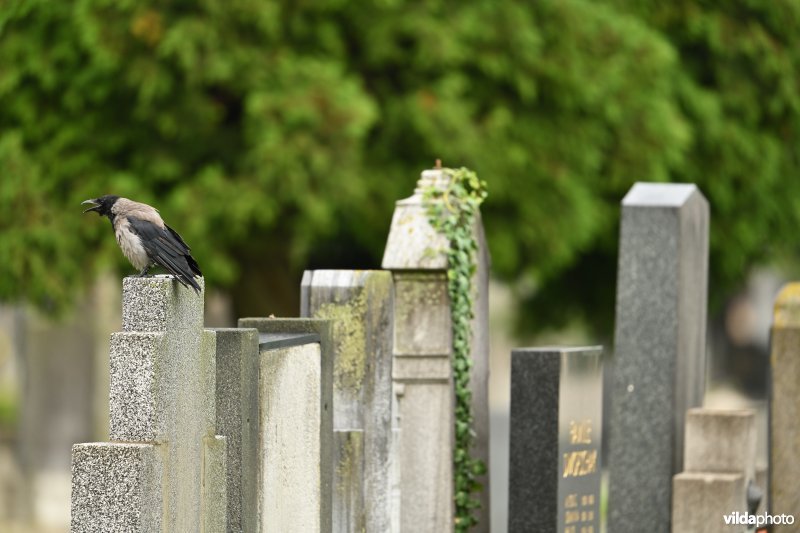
x=93, y=203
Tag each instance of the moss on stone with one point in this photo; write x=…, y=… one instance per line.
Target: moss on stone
x=347, y=319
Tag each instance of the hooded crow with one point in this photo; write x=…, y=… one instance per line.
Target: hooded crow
x=145, y=239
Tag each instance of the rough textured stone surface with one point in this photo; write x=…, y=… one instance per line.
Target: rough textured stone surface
x=324, y=459
x=555, y=436
x=135, y=405
x=784, y=431
x=416, y=255
x=349, y=496
x=721, y=441
x=214, y=503
x=160, y=303
x=116, y=487
x=359, y=306
x=412, y=242
x=291, y=442
x=659, y=357
x=163, y=392
x=237, y=419
x=701, y=501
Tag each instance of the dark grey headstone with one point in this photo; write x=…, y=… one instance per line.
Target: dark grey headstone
x=659, y=348
x=556, y=430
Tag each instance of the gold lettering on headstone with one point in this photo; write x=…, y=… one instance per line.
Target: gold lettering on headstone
x=580, y=432
x=580, y=463
x=571, y=501
x=579, y=512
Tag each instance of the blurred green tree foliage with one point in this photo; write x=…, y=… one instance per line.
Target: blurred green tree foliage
x=275, y=135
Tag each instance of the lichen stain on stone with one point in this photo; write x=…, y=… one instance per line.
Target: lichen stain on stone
x=349, y=338
x=787, y=307
x=348, y=454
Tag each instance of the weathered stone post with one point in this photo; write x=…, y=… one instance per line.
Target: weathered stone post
x=659, y=348
x=784, y=408
x=422, y=373
x=164, y=469
x=237, y=412
x=359, y=304
x=720, y=457
x=294, y=424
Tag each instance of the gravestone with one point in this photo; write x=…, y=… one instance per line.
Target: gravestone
x=720, y=457
x=295, y=424
x=164, y=468
x=359, y=304
x=784, y=408
x=423, y=382
x=659, y=349
x=237, y=416
x=555, y=436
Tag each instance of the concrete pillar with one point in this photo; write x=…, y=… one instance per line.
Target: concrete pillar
x=416, y=255
x=295, y=424
x=784, y=408
x=162, y=397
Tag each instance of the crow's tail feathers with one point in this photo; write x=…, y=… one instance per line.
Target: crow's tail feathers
x=181, y=268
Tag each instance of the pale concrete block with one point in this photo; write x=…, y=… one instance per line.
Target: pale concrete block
x=292, y=490
x=422, y=315
x=784, y=411
x=700, y=501
x=322, y=329
x=116, y=487
x=721, y=441
x=426, y=457
x=160, y=303
x=349, y=512
x=659, y=349
x=214, y=503
x=237, y=359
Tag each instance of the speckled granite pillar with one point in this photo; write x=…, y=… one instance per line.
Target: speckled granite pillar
x=784, y=408
x=162, y=397
x=659, y=349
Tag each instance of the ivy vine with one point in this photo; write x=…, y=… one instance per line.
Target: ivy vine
x=452, y=212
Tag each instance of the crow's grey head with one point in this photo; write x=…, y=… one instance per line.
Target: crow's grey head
x=102, y=206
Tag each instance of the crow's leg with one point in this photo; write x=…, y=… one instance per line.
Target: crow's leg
x=143, y=273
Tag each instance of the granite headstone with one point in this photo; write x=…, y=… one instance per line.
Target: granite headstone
x=556, y=431
x=659, y=355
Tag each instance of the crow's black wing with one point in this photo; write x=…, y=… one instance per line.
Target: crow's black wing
x=167, y=249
